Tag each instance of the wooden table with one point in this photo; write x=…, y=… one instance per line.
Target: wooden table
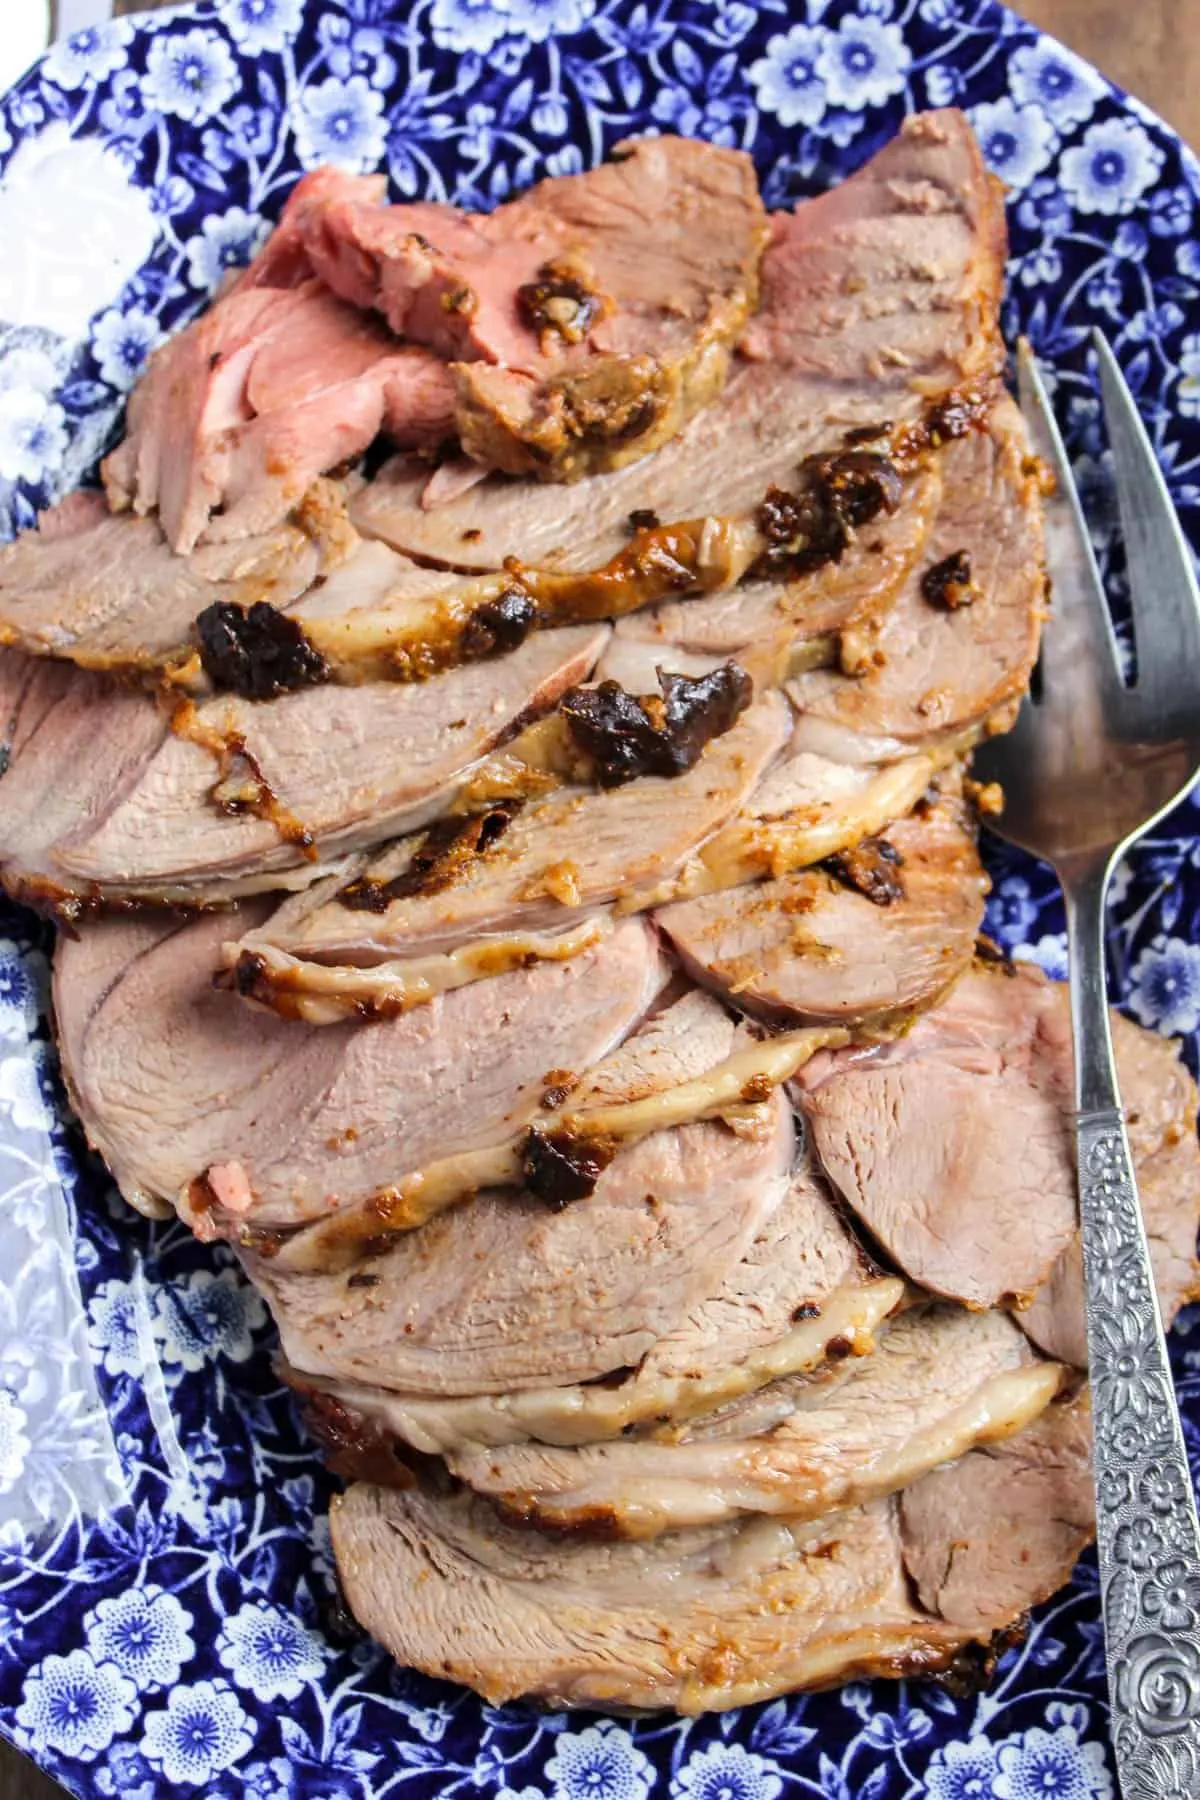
x=1152, y=49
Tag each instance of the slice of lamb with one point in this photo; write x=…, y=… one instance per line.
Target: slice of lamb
x=264, y=470
x=810, y=805
x=80, y=745
x=113, y=593
x=697, y=1621
x=921, y=667
x=766, y=625
x=880, y=936
x=915, y=1136
x=410, y=262
x=587, y=319
x=710, y=1618
x=993, y=1534
x=940, y=1381
x=508, y=1294
x=1160, y=1113
x=382, y=616
x=668, y=237
x=806, y=807
x=284, y=260
x=802, y=1286
x=875, y=296
x=113, y=947
x=17, y=671
x=240, y=411
x=918, y=1137
x=370, y=576
x=244, y=1121
x=31, y=688
x=134, y=814
x=557, y=860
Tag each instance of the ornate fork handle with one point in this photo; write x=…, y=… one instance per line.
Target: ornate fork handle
x=1147, y=1533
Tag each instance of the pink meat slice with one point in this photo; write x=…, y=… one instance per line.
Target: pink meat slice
x=660, y=251
x=874, y=298
x=410, y=262
x=1160, y=1117
x=953, y=1146
x=919, y=1138
x=243, y=409
x=173, y=1078
x=104, y=800
x=809, y=946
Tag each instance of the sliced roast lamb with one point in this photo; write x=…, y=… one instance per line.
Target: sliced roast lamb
x=990, y=1536
x=245, y=1122
x=1160, y=1117
x=941, y=1380
x=242, y=410
x=775, y=624
x=106, y=801
x=109, y=590
x=932, y=172
x=805, y=808
x=877, y=935
x=588, y=319
x=803, y=1286
x=716, y=1616
x=600, y=309
x=924, y=667
x=553, y=862
x=509, y=1293
x=388, y=938
x=78, y=743
x=918, y=1137
x=374, y=614
x=580, y=1129
x=874, y=297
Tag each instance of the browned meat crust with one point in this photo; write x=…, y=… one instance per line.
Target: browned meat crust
x=715, y=1616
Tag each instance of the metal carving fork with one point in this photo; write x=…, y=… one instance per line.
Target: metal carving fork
x=1091, y=765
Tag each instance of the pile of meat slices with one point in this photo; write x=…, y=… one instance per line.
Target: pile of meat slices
x=523, y=893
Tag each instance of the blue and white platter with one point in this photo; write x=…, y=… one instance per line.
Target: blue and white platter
x=168, y=1619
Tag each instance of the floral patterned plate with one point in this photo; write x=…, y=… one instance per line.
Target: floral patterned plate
x=168, y=1622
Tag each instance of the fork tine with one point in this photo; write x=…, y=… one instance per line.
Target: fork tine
x=1164, y=596
x=1079, y=623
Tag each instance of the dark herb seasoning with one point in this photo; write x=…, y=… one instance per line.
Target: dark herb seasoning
x=257, y=651
x=447, y=848
x=627, y=736
x=987, y=950
x=248, y=973
x=560, y=1168
x=833, y=496
x=948, y=584
x=560, y=303
x=644, y=518
x=872, y=868
x=498, y=625
x=867, y=434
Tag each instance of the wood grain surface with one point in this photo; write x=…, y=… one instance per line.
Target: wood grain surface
x=1152, y=47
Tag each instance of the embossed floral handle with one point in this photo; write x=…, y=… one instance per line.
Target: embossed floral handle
x=1147, y=1533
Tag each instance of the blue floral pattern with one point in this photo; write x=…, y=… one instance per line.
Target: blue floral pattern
x=168, y=1616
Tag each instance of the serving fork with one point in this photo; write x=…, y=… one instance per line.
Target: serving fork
x=1092, y=763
